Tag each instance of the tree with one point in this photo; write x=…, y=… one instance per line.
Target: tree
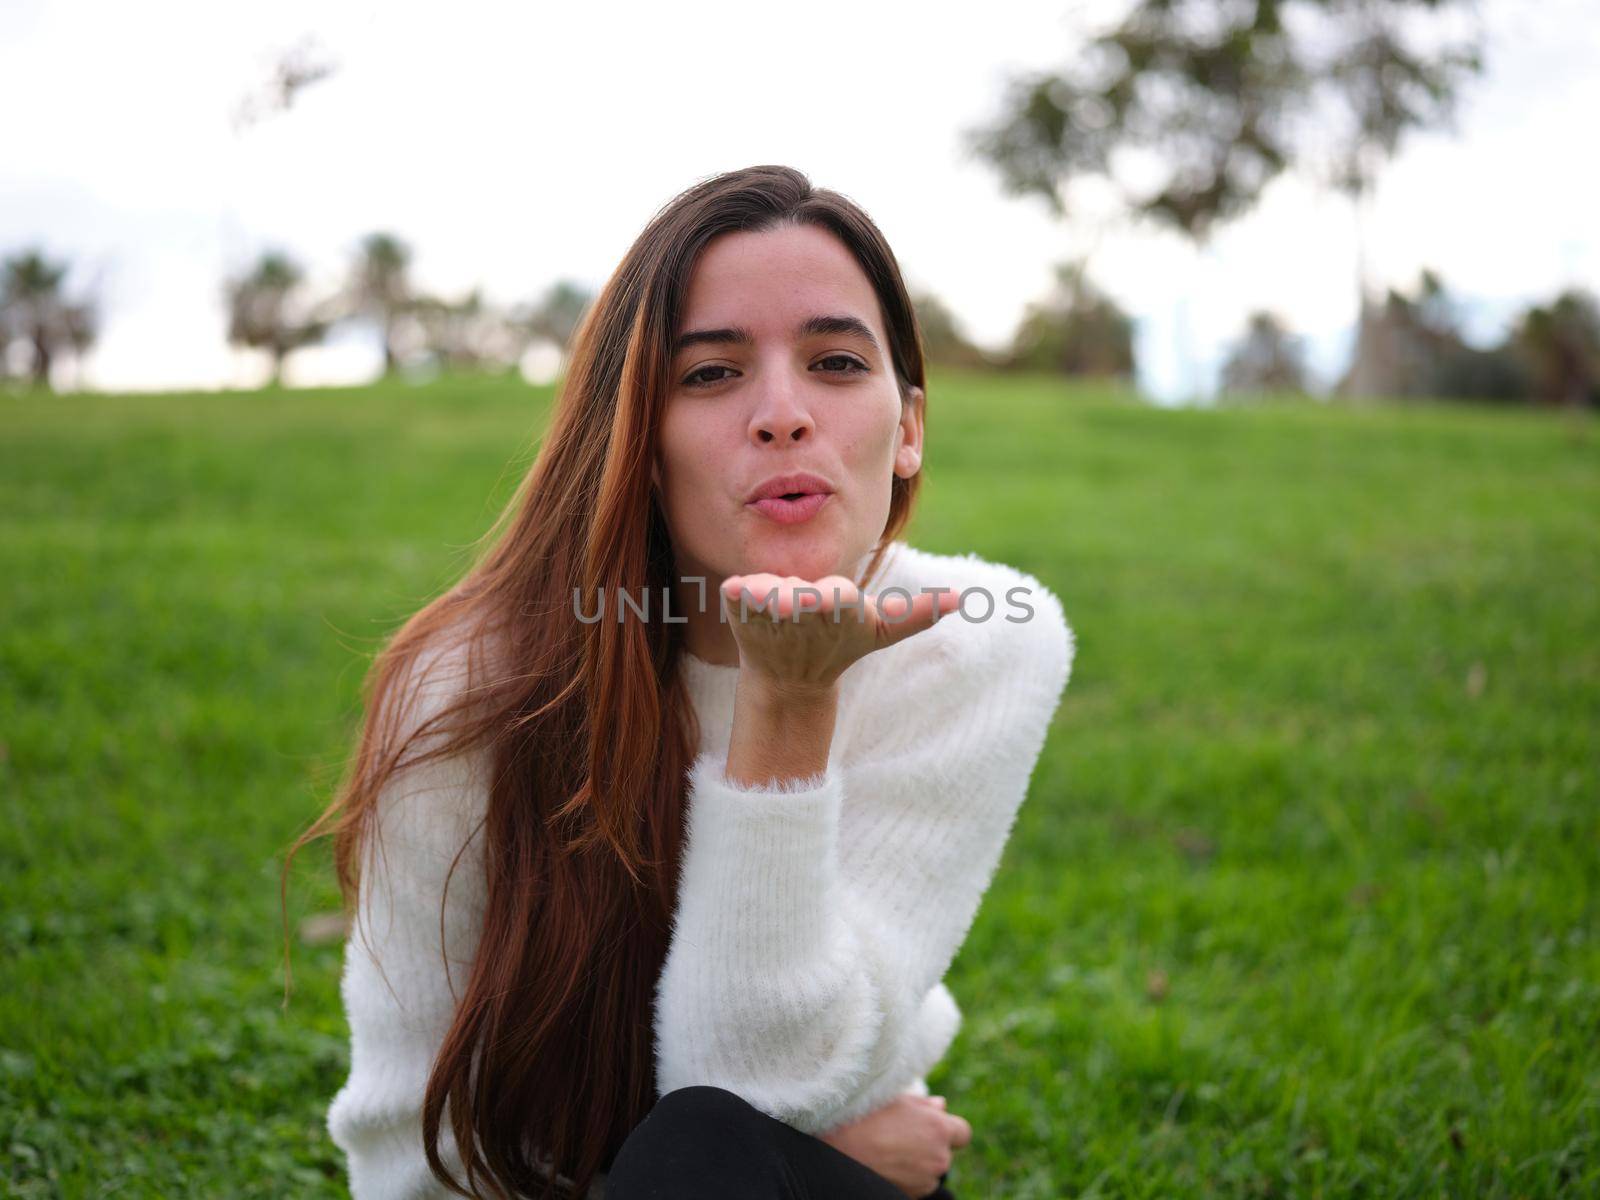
x=380, y=288
x=1412, y=346
x=467, y=334
x=1218, y=97
x=1189, y=108
x=266, y=310
x=943, y=340
x=35, y=311
x=1267, y=359
x=556, y=315
x=293, y=70
x=1560, y=345
x=1077, y=330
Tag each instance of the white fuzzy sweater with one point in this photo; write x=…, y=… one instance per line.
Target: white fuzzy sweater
x=815, y=919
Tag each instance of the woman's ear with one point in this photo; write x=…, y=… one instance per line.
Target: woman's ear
x=908, y=456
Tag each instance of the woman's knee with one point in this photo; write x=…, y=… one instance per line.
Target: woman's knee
x=701, y=1105
x=700, y=1141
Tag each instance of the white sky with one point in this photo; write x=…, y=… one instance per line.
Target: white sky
x=513, y=145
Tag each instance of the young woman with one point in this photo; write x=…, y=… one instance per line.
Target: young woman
x=668, y=819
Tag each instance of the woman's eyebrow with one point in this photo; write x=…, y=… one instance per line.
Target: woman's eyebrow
x=811, y=327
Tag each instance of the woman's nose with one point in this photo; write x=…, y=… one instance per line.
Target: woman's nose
x=781, y=415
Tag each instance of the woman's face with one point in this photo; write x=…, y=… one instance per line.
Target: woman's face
x=762, y=386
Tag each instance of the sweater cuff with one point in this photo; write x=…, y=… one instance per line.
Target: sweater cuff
x=759, y=869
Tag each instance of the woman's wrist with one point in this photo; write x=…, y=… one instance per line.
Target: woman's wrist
x=781, y=730
x=786, y=699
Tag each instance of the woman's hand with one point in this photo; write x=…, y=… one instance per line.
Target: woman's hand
x=799, y=633
x=908, y=1141
x=798, y=639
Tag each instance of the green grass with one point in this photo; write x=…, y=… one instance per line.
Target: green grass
x=1302, y=902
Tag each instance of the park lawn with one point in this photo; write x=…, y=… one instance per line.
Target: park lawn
x=1302, y=901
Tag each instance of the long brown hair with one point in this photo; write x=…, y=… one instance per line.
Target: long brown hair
x=550, y=1055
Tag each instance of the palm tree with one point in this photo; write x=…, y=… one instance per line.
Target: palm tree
x=264, y=310
x=379, y=287
x=33, y=309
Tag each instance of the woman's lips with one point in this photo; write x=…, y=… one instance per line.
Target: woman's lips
x=791, y=512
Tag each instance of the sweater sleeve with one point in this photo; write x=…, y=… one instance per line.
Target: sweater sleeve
x=403, y=969
x=814, y=916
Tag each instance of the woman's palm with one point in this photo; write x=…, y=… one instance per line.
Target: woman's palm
x=808, y=632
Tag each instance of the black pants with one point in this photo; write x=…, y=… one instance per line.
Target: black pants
x=706, y=1143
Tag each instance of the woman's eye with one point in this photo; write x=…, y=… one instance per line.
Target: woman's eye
x=851, y=367
x=693, y=379
x=845, y=364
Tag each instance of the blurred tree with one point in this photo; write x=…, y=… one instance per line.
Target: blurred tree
x=1077, y=330
x=943, y=340
x=443, y=328
x=1267, y=359
x=35, y=312
x=380, y=288
x=292, y=71
x=82, y=327
x=1189, y=108
x=1412, y=346
x=267, y=311
x=1560, y=345
x=468, y=334
x=1221, y=97
x=556, y=315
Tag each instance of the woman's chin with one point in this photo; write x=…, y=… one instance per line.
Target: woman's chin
x=807, y=554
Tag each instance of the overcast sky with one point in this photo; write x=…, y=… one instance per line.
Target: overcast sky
x=516, y=145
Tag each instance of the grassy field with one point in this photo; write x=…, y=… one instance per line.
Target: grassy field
x=1302, y=902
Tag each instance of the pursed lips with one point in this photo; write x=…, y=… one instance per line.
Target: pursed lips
x=801, y=499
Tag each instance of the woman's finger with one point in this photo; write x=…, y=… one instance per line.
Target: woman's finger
x=762, y=593
x=960, y=1132
x=902, y=617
